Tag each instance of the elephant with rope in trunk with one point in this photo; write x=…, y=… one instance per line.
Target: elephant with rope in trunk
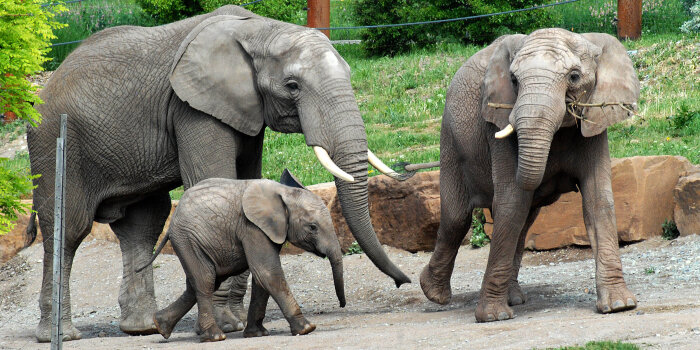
x=525, y=120
x=151, y=109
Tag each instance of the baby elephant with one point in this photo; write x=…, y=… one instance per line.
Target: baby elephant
x=223, y=227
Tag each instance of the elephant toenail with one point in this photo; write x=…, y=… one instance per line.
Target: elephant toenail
x=630, y=302
x=606, y=308
x=490, y=317
x=503, y=316
x=618, y=304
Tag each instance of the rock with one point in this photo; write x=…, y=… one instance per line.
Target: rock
x=13, y=241
x=643, y=193
x=686, y=196
x=405, y=214
x=643, y=190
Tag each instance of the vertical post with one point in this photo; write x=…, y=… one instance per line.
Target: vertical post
x=58, y=229
x=629, y=19
x=319, y=15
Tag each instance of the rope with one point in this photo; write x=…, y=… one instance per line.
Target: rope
x=65, y=2
x=450, y=19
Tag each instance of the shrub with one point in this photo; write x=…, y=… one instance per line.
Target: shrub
x=166, y=11
x=25, y=32
x=479, y=238
x=390, y=41
x=693, y=24
x=354, y=248
x=670, y=231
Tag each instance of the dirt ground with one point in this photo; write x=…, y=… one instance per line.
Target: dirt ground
x=665, y=275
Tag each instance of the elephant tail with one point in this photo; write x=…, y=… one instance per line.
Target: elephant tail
x=31, y=230
x=156, y=252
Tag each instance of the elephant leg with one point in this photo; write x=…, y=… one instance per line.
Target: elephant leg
x=138, y=233
x=77, y=228
x=455, y=219
x=204, y=290
x=515, y=293
x=599, y=218
x=166, y=319
x=256, y=312
x=511, y=209
x=228, y=303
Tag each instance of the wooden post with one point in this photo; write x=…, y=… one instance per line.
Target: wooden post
x=319, y=15
x=58, y=229
x=629, y=19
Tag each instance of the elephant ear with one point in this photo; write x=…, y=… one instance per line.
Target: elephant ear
x=616, y=81
x=214, y=73
x=497, y=86
x=264, y=207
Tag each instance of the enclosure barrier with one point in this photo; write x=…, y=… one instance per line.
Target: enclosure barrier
x=59, y=225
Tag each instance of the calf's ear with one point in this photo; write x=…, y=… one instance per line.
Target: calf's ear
x=264, y=207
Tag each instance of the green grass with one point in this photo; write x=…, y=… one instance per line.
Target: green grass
x=87, y=17
x=600, y=345
x=658, y=16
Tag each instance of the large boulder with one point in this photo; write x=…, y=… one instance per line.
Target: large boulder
x=643, y=189
x=405, y=214
x=686, y=195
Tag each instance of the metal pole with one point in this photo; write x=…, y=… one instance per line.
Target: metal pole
x=629, y=19
x=58, y=229
x=319, y=15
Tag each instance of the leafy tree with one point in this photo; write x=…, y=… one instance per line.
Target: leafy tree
x=25, y=33
x=166, y=11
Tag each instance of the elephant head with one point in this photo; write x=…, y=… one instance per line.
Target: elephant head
x=296, y=215
x=538, y=74
x=251, y=72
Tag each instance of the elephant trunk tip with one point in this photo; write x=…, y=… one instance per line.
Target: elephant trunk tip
x=401, y=279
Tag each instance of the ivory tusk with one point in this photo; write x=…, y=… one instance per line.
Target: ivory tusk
x=328, y=163
x=505, y=132
x=379, y=165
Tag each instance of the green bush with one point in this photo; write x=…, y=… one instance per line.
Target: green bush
x=391, y=41
x=354, y=248
x=166, y=11
x=693, y=24
x=670, y=231
x=479, y=238
x=25, y=33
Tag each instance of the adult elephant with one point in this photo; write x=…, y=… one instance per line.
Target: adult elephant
x=529, y=87
x=153, y=108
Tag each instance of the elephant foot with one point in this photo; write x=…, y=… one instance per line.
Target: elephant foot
x=515, y=294
x=435, y=290
x=306, y=329
x=43, y=332
x=239, y=313
x=615, y=298
x=252, y=331
x=163, y=324
x=489, y=311
x=225, y=319
x=211, y=334
x=138, y=323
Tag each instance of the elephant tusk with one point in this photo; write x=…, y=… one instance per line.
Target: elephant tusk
x=328, y=163
x=505, y=132
x=379, y=165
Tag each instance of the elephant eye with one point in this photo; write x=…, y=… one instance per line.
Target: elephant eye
x=574, y=77
x=513, y=79
x=313, y=227
x=292, y=85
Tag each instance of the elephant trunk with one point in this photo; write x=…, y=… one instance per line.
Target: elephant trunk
x=347, y=143
x=536, y=120
x=336, y=258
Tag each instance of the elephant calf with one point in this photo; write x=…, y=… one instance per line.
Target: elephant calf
x=223, y=227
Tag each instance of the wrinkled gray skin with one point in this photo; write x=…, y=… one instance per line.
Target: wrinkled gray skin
x=152, y=108
x=549, y=153
x=223, y=227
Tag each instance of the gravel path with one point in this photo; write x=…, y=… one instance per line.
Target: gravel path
x=560, y=311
